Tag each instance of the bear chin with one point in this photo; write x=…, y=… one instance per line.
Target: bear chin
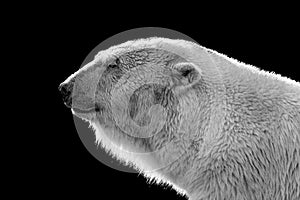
x=123, y=151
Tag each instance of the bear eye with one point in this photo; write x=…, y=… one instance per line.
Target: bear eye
x=112, y=66
x=115, y=64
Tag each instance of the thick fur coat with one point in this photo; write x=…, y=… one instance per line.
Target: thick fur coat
x=182, y=114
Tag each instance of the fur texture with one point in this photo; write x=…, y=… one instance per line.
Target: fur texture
x=208, y=125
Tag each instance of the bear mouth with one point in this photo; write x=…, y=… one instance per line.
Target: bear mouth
x=88, y=115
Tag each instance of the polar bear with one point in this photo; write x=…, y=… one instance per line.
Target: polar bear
x=188, y=116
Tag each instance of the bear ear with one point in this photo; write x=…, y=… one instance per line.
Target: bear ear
x=187, y=73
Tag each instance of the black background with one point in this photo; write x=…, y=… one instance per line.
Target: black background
x=63, y=166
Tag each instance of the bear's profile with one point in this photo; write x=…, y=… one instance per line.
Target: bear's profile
x=210, y=126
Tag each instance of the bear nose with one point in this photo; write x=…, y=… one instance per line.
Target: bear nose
x=66, y=90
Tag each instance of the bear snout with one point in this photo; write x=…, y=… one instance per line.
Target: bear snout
x=66, y=90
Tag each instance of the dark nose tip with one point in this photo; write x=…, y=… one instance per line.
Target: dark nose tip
x=66, y=90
